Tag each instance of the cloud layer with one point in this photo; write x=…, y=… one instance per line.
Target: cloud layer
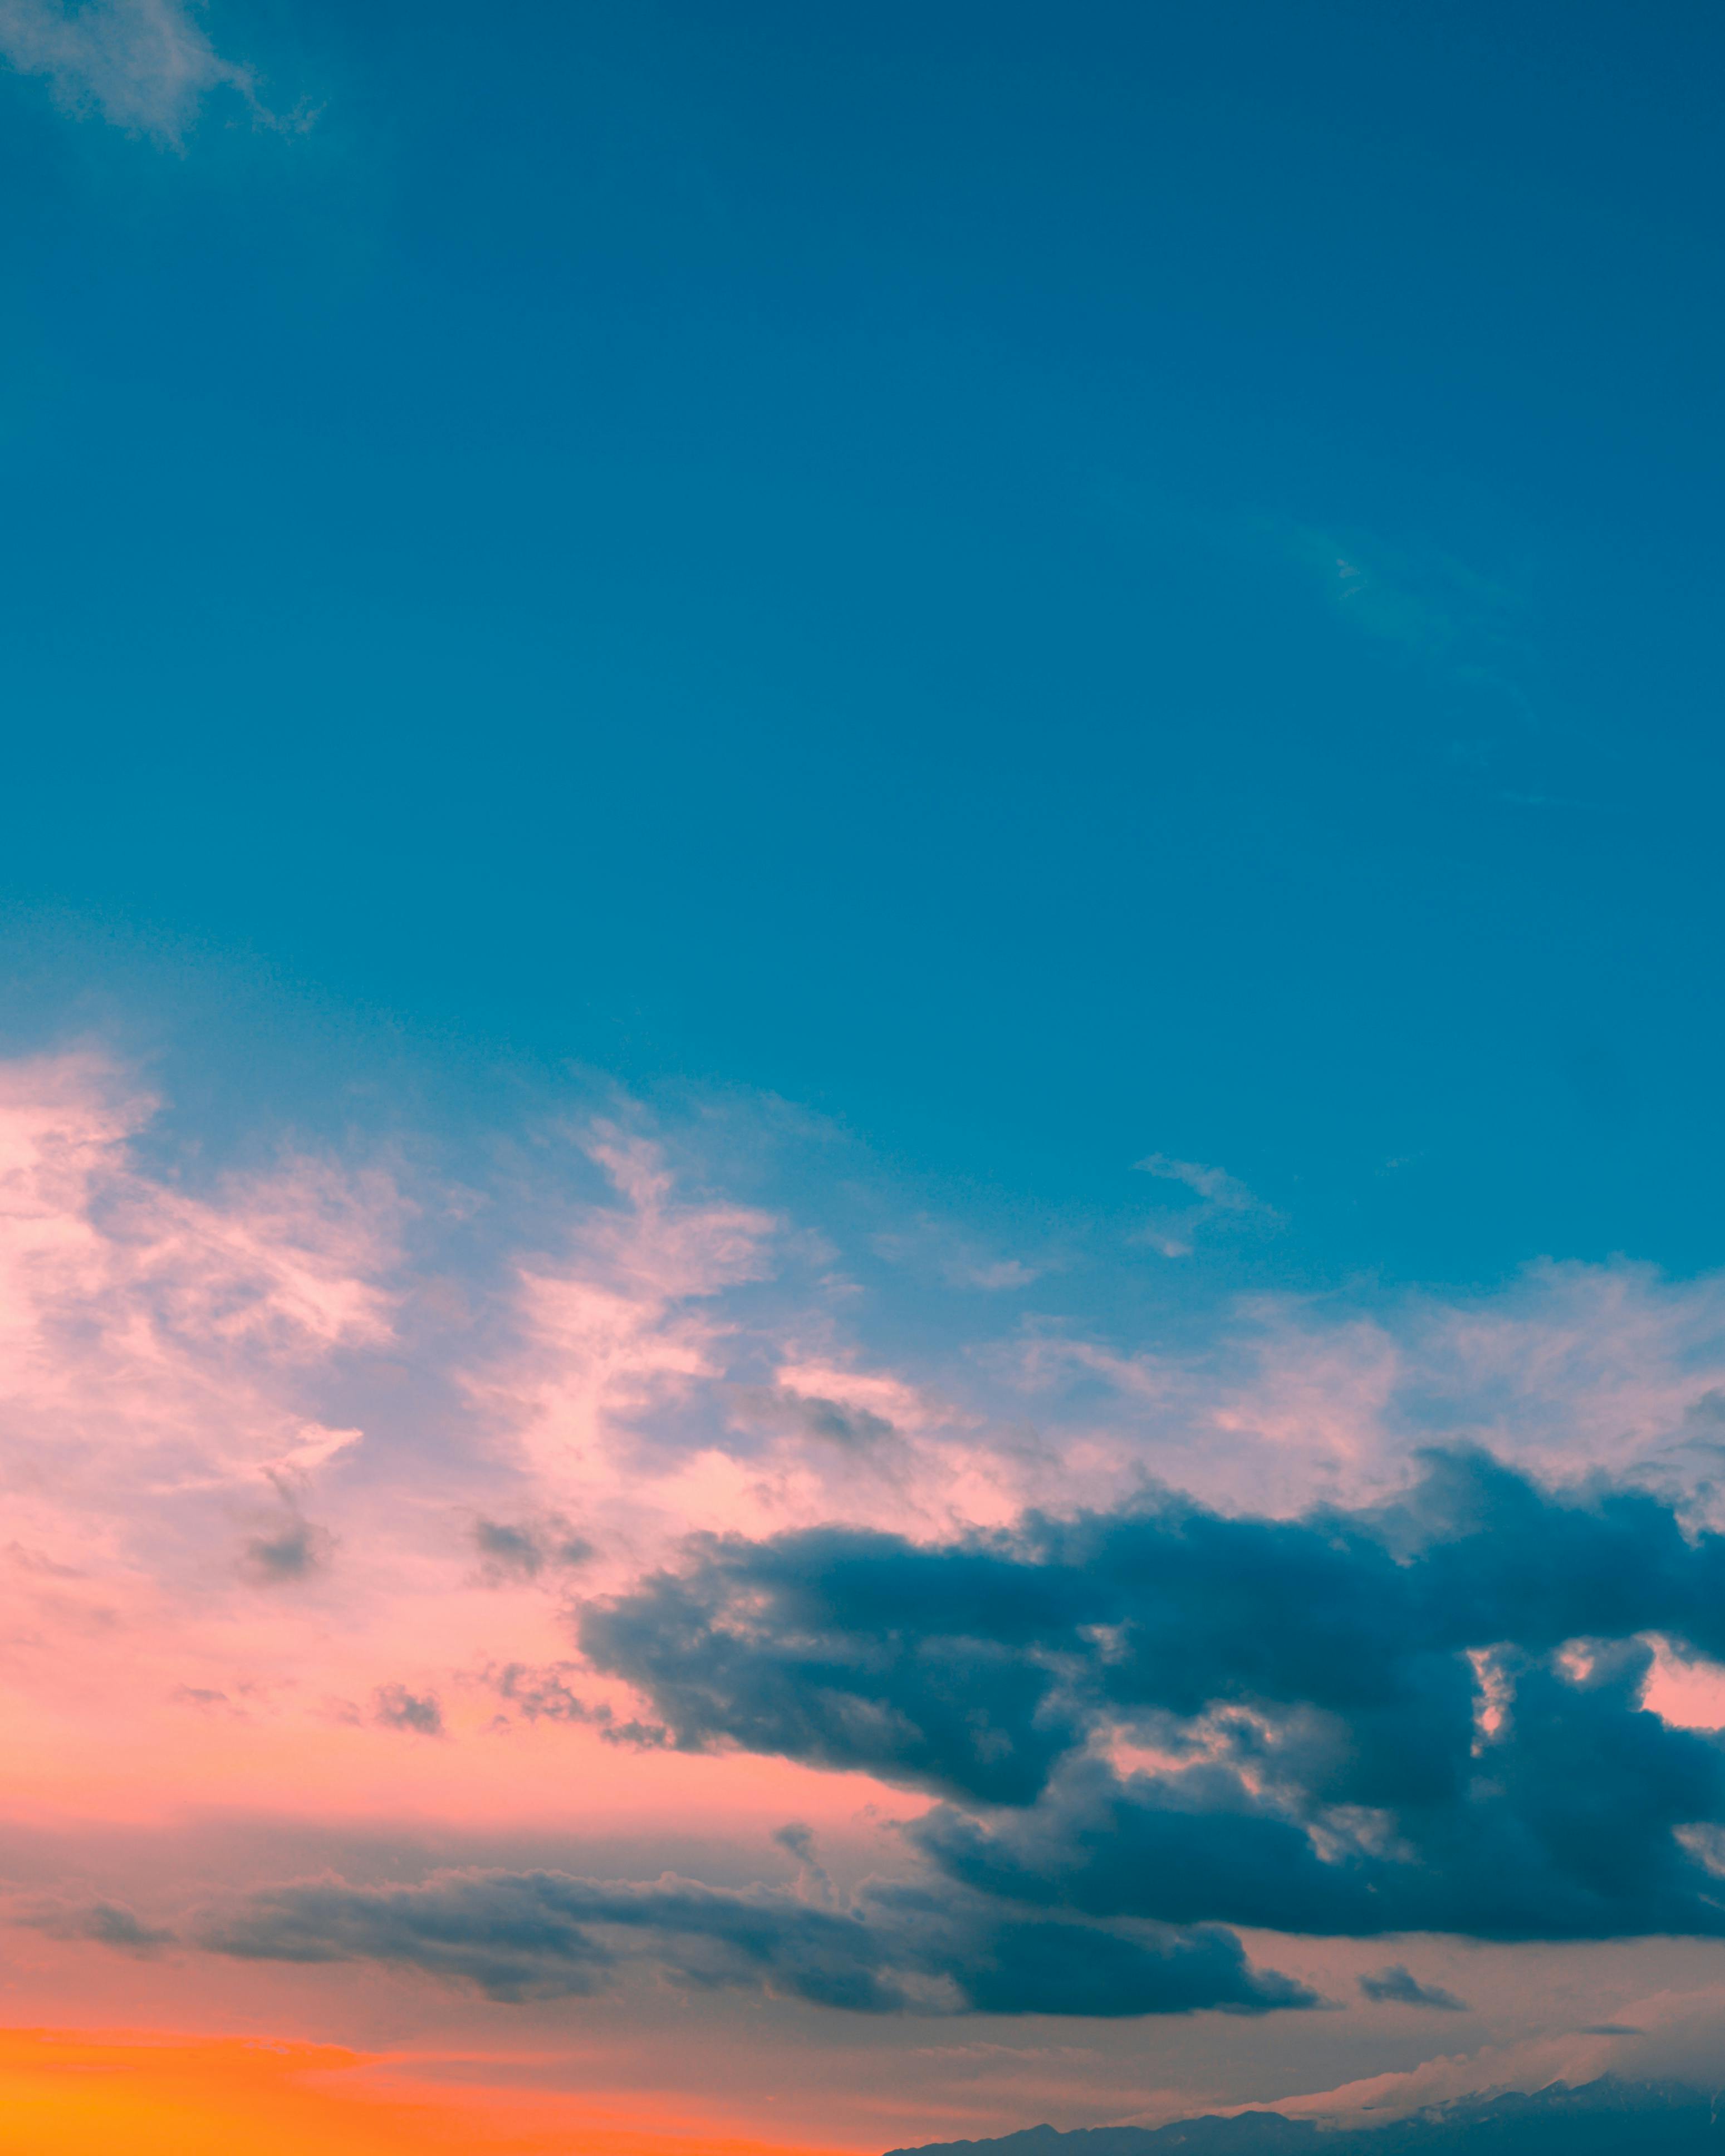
x=892, y=1949
x=624, y=1485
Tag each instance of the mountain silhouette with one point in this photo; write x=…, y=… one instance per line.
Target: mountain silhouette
x=1606, y=2118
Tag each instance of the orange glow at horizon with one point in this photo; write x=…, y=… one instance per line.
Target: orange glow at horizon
x=80, y=2093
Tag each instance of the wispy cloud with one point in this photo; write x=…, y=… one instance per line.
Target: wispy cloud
x=1215, y=1185
x=1217, y=1192
x=146, y=65
x=932, y=1247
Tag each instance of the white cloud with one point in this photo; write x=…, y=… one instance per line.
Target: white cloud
x=144, y=64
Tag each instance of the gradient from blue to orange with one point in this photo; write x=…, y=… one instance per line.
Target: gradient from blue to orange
x=866, y=770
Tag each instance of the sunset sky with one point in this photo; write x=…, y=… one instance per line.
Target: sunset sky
x=860, y=1253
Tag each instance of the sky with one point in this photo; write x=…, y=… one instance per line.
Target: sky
x=860, y=1272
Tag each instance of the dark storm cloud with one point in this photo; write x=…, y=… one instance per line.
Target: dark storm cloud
x=1421, y=1716
x=544, y=1934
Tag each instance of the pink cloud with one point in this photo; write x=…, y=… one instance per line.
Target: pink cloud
x=144, y=1330
x=220, y=1558
x=1568, y=1370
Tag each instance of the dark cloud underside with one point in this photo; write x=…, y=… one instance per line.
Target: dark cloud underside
x=544, y=1934
x=1423, y=1717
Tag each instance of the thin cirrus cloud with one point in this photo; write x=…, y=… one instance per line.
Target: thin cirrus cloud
x=1219, y=1195
x=1215, y=1185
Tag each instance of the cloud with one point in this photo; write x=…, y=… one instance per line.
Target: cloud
x=992, y=1276
x=541, y=1694
x=931, y=1247
x=1462, y=629
x=146, y=65
x=854, y=1649
x=507, y=1553
x=1397, y=1986
x=781, y=1408
x=545, y=1694
x=165, y=1349
x=1568, y=1370
x=107, y=1923
x=893, y=1948
x=618, y=1332
x=1215, y=1185
x=814, y=1882
x=393, y=1706
x=1562, y=2089
x=1420, y=1716
x=1220, y=1195
x=518, y=1553
x=1340, y=1710
x=291, y=1551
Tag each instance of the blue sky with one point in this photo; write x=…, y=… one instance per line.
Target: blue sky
x=1056, y=585
x=840, y=824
